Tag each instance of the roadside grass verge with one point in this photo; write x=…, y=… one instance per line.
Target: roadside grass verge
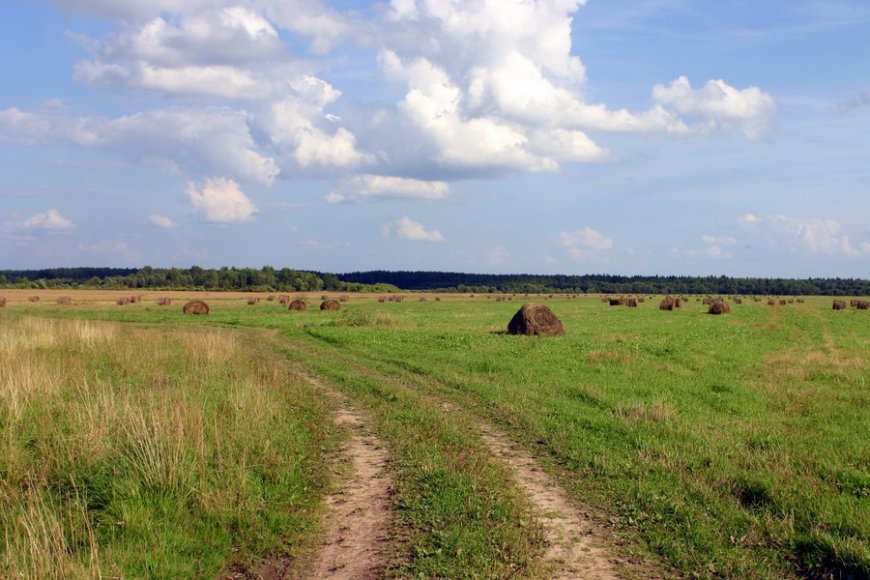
x=139, y=452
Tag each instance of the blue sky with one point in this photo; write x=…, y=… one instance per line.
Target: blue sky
x=560, y=136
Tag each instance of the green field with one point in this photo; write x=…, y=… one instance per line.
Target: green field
x=711, y=446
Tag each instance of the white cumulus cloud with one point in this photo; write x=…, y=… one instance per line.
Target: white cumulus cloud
x=361, y=187
x=408, y=229
x=50, y=219
x=826, y=236
x=220, y=200
x=585, y=244
x=161, y=221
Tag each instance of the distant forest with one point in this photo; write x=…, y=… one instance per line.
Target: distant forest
x=269, y=279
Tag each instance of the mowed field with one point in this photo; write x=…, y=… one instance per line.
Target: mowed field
x=136, y=441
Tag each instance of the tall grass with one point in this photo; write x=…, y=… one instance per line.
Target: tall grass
x=136, y=452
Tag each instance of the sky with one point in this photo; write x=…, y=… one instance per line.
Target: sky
x=671, y=137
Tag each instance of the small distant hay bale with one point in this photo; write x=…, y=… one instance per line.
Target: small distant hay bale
x=423, y=299
x=853, y=303
x=616, y=301
x=64, y=300
x=299, y=306
x=641, y=299
x=719, y=307
x=195, y=307
x=2, y=302
x=123, y=300
x=330, y=305
x=400, y=299
x=791, y=300
x=771, y=302
x=271, y=298
x=839, y=305
x=800, y=300
x=738, y=301
x=631, y=302
x=164, y=301
x=437, y=299
x=535, y=320
x=253, y=301
x=707, y=301
x=343, y=298
x=135, y=299
x=33, y=299
x=668, y=303
x=382, y=299
x=782, y=302
x=284, y=299
x=863, y=305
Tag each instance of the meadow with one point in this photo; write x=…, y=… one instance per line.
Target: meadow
x=141, y=442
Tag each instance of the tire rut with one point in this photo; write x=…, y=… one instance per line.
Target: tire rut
x=358, y=513
x=573, y=548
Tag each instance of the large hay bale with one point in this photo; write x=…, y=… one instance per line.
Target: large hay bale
x=122, y=300
x=2, y=302
x=719, y=307
x=299, y=306
x=64, y=300
x=33, y=299
x=330, y=305
x=839, y=305
x=535, y=320
x=668, y=303
x=195, y=307
x=863, y=305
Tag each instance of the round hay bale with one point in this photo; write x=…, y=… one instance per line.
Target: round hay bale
x=64, y=300
x=164, y=301
x=122, y=301
x=631, y=302
x=324, y=297
x=298, y=306
x=33, y=299
x=771, y=302
x=343, y=298
x=2, y=302
x=195, y=307
x=535, y=320
x=253, y=301
x=782, y=302
x=135, y=299
x=719, y=307
x=800, y=300
x=271, y=298
x=616, y=301
x=284, y=299
x=863, y=305
x=382, y=299
x=437, y=299
x=839, y=305
x=423, y=299
x=330, y=305
x=668, y=303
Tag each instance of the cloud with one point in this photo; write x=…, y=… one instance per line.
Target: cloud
x=362, y=187
x=497, y=256
x=749, y=219
x=220, y=200
x=161, y=221
x=49, y=220
x=719, y=240
x=408, y=229
x=477, y=89
x=720, y=105
x=857, y=101
x=824, y=236
x=585, y=244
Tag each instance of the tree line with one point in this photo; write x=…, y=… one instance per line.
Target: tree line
x=268, y=278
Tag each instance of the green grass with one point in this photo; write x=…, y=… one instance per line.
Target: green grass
x=161, y=453
x=734, y=446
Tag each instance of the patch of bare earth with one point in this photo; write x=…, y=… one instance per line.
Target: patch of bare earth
x=358, y=513
x=573, y=548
